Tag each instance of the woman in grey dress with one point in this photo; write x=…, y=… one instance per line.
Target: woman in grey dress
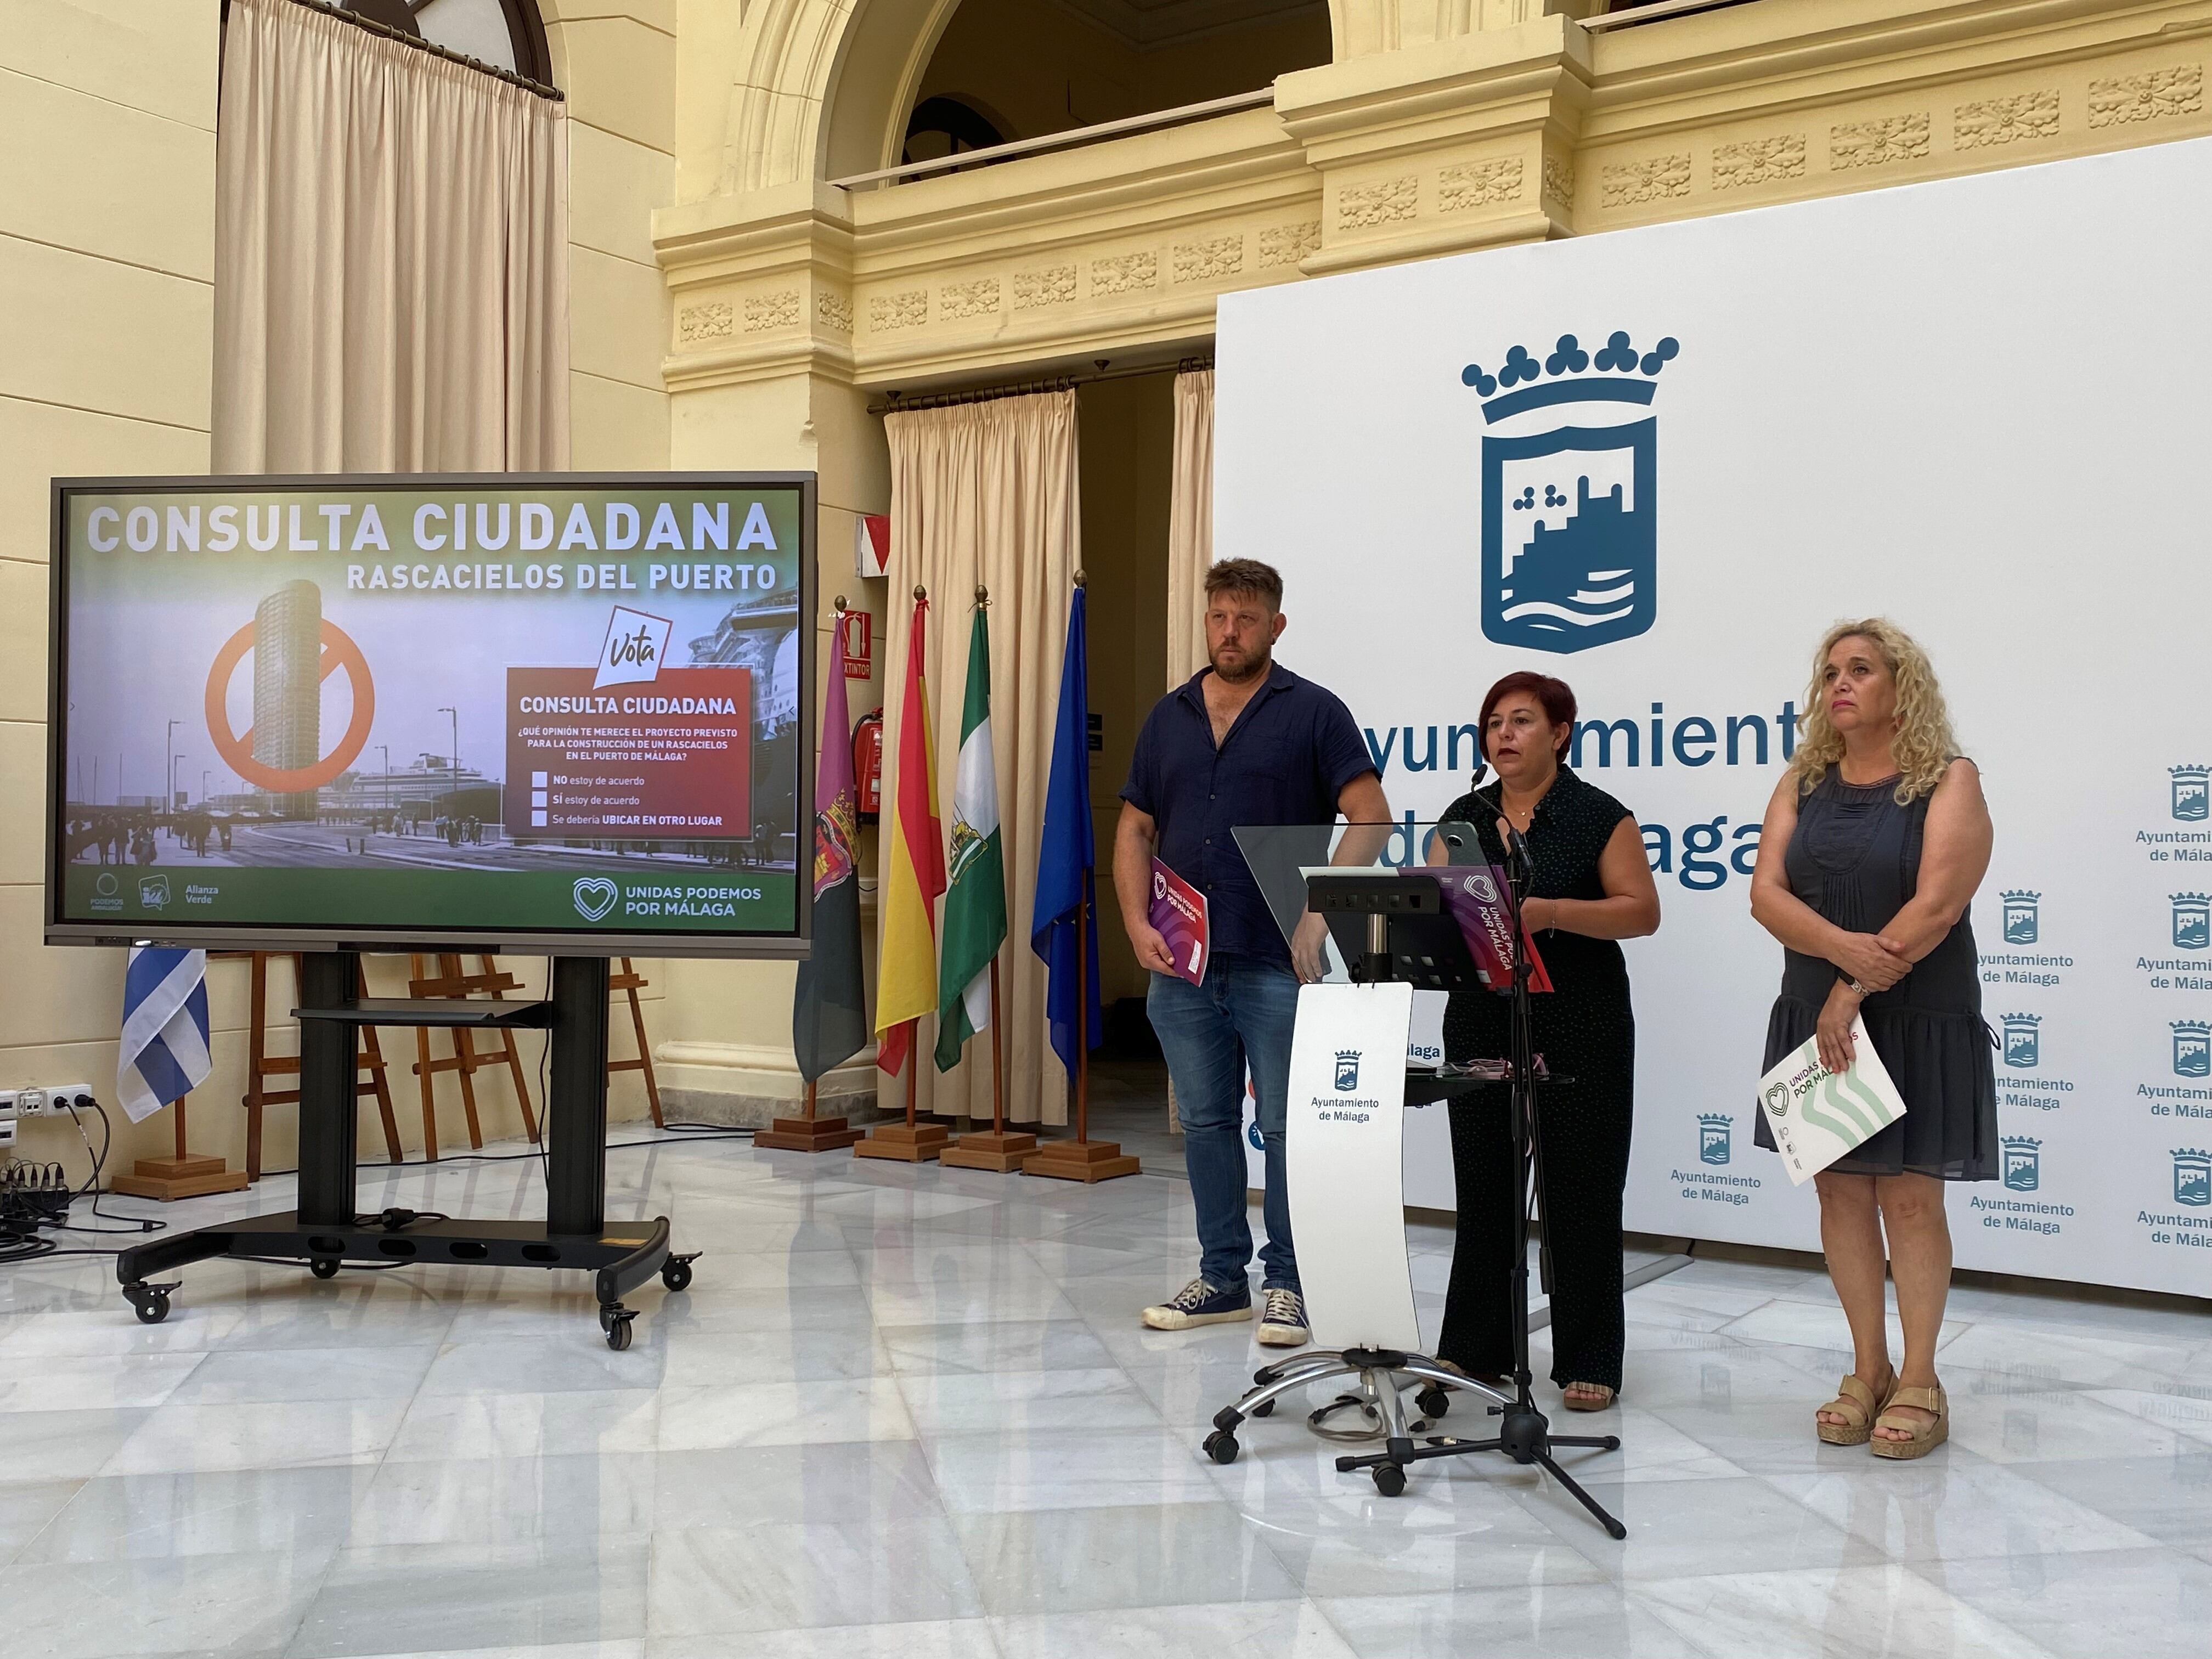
x=1874, y=844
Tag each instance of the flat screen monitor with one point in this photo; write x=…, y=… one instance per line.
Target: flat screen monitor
x=563, y=712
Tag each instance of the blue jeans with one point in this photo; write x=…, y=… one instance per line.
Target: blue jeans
x=1242, y=1015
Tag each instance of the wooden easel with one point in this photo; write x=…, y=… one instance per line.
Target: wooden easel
x=261, y=1065
x=630, y=982
x=450, y=981
x=184, y=1175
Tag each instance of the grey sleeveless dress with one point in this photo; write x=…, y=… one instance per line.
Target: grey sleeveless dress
x=1856, y=858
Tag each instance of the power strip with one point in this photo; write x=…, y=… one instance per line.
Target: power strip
x=34, y=1195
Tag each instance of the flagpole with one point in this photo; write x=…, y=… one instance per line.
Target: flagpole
x=1082, y=1158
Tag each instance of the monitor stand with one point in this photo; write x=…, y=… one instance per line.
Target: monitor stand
x=326, y=1230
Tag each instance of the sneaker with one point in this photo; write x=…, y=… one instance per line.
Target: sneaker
x=1201, y=1304
x=1283, y=1324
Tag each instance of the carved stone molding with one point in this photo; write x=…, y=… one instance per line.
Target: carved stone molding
x=715, y=320
x=2120, y=100
x=1054, y=285
x=1210, y=260
x=1383, y=203
x=1559, y=180
x=1988, y=122
x=1758, y=162
x=1873, y=144
x=888, y=312
x=1657, y=178
x=833, y=310
x=767, y=311
x=1478, y=183
x=1285, y=245
x=977, y=299
x=1124, y=273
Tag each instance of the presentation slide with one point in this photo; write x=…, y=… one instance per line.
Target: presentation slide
x=532, y=706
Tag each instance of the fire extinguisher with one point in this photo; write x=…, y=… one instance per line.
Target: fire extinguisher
x=868, y=764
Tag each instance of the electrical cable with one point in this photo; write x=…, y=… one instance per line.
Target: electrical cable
x=691, y=1132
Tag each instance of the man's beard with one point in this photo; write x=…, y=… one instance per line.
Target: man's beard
x=1252, y=669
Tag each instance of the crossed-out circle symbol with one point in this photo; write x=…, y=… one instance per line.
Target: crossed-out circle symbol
x=338, y=652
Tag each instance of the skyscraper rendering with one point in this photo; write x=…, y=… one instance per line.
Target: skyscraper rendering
x=288, y=694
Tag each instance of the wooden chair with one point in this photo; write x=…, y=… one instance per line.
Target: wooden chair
x=450, y=980
x=631, y=981
x=261, y=1065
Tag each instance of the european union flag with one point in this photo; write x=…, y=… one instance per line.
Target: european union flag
x=1066, y=858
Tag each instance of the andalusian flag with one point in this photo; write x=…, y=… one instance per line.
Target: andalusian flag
x=975, y=904
x=913, y=873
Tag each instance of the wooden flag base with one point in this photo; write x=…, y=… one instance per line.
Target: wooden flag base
x=1000, y=1153
x=807, y=1135
x=907, y=1143
x=188, y=1176
x=1085, y=1161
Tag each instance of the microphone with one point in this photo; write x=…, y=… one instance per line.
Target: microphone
x=1516, y=846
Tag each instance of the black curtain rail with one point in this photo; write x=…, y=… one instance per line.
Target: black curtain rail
x=373, y=27
x=893, y=403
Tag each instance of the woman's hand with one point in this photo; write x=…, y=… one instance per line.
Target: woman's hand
x=1862, y=957
x=1833, y=1033
x=1537, y=915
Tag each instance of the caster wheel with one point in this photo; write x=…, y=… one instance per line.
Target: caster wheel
x=1221, y=1447
x=153, y=1309
x=619, y=1335
x=1389, y=1481
x=323, y=1267
x=608, y=1319
x=676, y=1275
x=1264, y=1408
x=1434, y=1402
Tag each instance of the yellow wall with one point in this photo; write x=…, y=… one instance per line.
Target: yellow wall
x=1034, y=68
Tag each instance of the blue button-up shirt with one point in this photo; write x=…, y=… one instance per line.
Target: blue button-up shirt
x=1290, y=754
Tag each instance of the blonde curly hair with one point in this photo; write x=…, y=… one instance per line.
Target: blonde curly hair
x=1923, y=746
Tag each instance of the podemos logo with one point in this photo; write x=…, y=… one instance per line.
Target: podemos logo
x=1570, y=541
x=594, y=895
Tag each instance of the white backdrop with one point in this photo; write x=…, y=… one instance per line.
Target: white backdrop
x=1973, y=406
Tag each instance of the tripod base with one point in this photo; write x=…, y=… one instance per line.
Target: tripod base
x=1524, y=1435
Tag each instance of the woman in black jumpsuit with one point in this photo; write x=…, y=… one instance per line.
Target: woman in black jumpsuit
x=1592, y=887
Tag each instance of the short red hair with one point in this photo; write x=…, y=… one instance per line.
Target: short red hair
x=1557, y=697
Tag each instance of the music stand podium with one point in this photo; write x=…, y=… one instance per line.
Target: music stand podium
x=326, y=1231
x=1346, y=1150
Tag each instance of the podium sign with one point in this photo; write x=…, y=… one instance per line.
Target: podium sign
x=1344, y=1149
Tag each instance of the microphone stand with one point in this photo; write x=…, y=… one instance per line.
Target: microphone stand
x=1523, y=1432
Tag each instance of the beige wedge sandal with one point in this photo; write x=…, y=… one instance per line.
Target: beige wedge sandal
x=1926, y=1437
x=1856, y=1402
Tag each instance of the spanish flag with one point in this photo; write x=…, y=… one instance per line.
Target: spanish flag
x=913, y=873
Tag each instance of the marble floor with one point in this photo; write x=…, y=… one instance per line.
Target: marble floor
x=910, y=1412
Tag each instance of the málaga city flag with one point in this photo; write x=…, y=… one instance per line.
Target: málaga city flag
x=913, y=873
x=1068, y=852
x=975, y=903
x=829, y=1012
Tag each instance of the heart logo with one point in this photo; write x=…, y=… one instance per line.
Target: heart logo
x=595, y=895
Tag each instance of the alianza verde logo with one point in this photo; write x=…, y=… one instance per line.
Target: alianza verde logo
x=1570, y=537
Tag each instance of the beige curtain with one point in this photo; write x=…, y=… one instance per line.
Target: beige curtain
x=391, y=257
x=986, y=493
x=1190, y=524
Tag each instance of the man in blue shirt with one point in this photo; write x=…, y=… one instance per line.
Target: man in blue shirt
x=1246, y=742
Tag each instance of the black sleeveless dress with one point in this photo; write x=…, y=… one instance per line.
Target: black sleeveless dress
x=1855, y=857
x=1585, y=1030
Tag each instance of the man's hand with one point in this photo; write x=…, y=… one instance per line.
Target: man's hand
x=1152, y=952
x=1310, y=949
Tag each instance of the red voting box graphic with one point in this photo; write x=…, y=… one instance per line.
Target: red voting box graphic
x=668, y=758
